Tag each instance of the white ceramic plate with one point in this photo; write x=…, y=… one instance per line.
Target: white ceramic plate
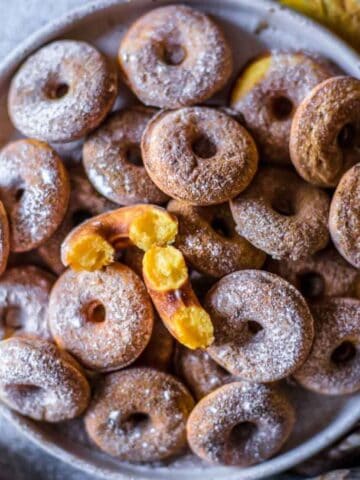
x=251, y=26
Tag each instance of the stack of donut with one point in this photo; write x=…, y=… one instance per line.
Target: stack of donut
x=199, y=257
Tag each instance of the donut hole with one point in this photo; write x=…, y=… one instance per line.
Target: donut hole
x=21, y=393
x=311, y=284
x=347, y=137
x=133, y=155
x=19, y=194
x=96, y=312
x=56, y=91
x=281, y=107
x=135, y=421
x=344, y=353
x=12, y=317
x=254, y=327
x=204, y=147
x=221, y=226
x=283, y=205
x=242, y=432
x=79, y=216
x=173, y=54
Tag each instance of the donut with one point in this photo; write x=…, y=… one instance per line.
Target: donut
x=159, y=351
x=62, y=92
x=282, y=215
x=325, y=132
x=267, y=93
x=199, y=155
x=40, y=381
x=103, y=318
x=325, y=274
x=333, y=366
x=4, y=239
x=174, y=56
x=209, y=242
x=112, y=159
x=344, y=219
x=139, y=415
x=34, y=189
x=240, y=424
x=84, y=203
x=263, y=328
x=199, y=371
x=24, y=298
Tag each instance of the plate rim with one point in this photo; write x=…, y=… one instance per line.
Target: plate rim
x=7, y=66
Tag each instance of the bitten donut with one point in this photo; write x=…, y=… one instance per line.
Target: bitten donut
x=325, y=274
x=333, y=366
x=325, y=132
x=4, y=239
x=24, y=298
x=199, y=155
x=62, y=92
x=40, y=381
x=103, y=318
x=263, y=328
x=159, y=351
x=113, y=162
x=282, y=215
x=199, y=371
x=84, y=203
x=34, y=188
x=175, y=56
x=267, y=93
x=139, y=415
x=240, y=424
x=209, y=242
x=344, y=220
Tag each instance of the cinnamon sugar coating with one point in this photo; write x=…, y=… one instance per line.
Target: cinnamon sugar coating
x=324, y=274
x=62, y=92
x=282, y=215
x=112, y=159
x=240, y=424
x=263, y=328
x=84, y=203
x=34, y=188
x=139, y=415
x=208, y=239
x=344, y=220
x=103, y=318
x=175, y=56
x=333, y=366
x=199, y=371
x=199, y=155
x=269, y=103
x=4, y=239
x=325, y=133
x=40, y=381
x=24, y=298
